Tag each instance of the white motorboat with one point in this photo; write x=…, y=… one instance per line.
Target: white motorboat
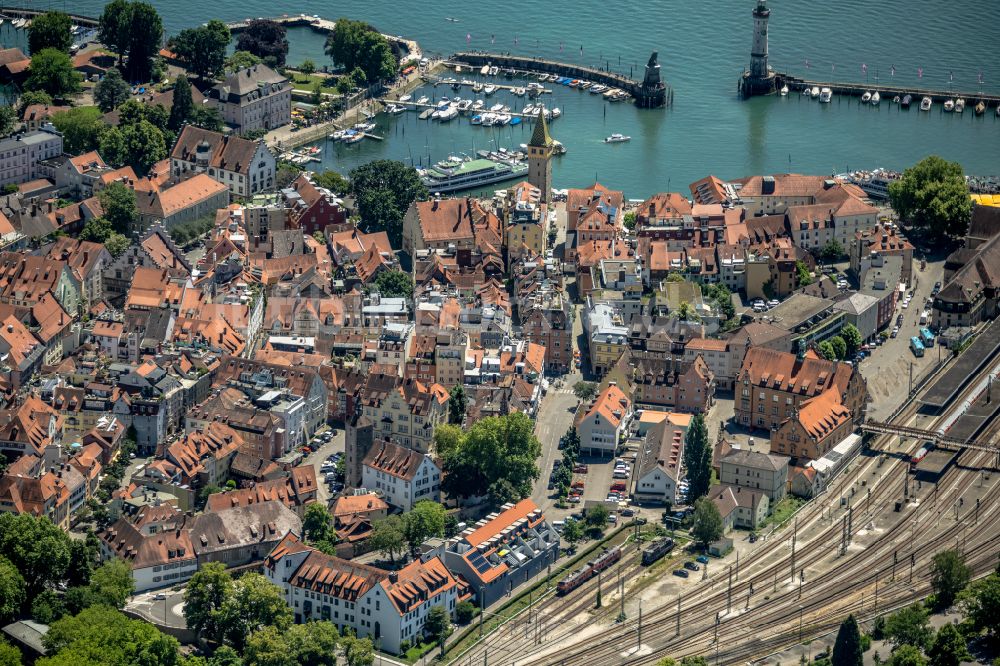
x=503, y=118
x=478, y=105
x=998, y=111
x=825, y=95
x=543, y=77
x=556, y=112
x=814, y=92
x=497, y=108
x=354, y=138
x=805, y=92
x=477, y=87
x=784, y=91
x=959, y=105
x=476, y=120
x=489, y=89
x=866, y=97
x=598, y=89
x=447, y=114
x=617, y=138
x=558, y=148
x=876, y=98
x=443, y=104
x=395, y=109
x=485, y=70
x=949, y=105
x=528, y=110
x=585, y=85
x=925, y=104
x=494, y=71
x=519, y=92
x=424, y=100
x=489, y=119
x=464, y=105
x=405, y=98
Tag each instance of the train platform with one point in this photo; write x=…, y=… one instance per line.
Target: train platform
x=981, y=351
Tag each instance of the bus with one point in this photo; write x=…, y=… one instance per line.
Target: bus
x=916, y=346
x=926, y=337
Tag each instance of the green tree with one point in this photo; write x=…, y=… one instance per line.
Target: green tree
x=313, y=643
x=826, y=351
x=116, y=244
x=207, y=117
x=241, y=60
x=96, y=230
x=12, y=590
x=933, y=195
x=847, y=648
x=596, y=517
x=111, y=91
x=501, y=492
x=383, y=190
x=423, y=521
x=803, y=278
x=102, y=635
x=907, y=655
x=9, y=654
x=114, y=26
x=204, y=597
x=948, y=647
x=30, y=97
x=852, y=338
x=686, y=312
x=145, y=32
x=47, y=607
x=332, y=181
x=52, y=72
x=839, y=346
x=255, y=603
x=908, y=626
x=832, y=251
x=697, y=458
x=183, y=105
x=267, y=647
x=119, y=205
x=111, y=584
x=447, y=439
x=266, y=40
x=394, y=284
x=585, y=391
x=51, y=30
x=493, y=450
x=357, y=44
x=457, y=405
x=629, y=220
x=694, y=661
x=225, y=656
x=203, y=49
x=139, y=145
x=949, y=576
x=359, y=651
x=7, y=120
x=81, y=128
x=707, y=524
x=358, y=78
x=388, y=536
x=84, y=556
x=982, y=604
x=36, y=547
x=317, y=524
x=317, y=93
x=437, y=625
x=465, y=610
x=307, y=67
x=572, y=533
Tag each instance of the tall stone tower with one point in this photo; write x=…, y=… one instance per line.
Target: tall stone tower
x=758, y=54
x=759, y=79
x=540, y=150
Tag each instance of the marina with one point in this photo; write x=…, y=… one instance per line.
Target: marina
x=889, y=92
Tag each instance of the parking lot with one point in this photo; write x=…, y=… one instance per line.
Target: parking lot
x=325, y=448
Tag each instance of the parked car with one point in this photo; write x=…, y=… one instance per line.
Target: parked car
x=628, y=513
x=773, y=303
x=681, y=573
x=692, y=566
x=703, y=559
x=581, y=469
x=895, y=332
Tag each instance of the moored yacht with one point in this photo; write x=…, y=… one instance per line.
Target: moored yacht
x=949, y=105
x=906, y=101
x=876, y=98
x=784, y=91
x=866, y=97
x=489, y=89
x=814, y=92
x=825, y=95
x=959, y=105
x=925, y=104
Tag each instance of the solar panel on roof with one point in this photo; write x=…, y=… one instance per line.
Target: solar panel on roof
x=479, y=562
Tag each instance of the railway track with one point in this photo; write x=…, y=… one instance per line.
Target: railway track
x=766, y=565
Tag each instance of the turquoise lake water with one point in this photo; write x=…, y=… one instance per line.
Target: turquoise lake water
x=703, y=47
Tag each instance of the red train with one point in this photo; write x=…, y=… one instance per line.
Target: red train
x=589, y=570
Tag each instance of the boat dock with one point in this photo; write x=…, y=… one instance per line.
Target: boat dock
x=886, y=92
x=432, y=107
x=17, y=12
x=649, y=93
x=499, y=86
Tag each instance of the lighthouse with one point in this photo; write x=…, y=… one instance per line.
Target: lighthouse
x=759, y=79
x=758, y=54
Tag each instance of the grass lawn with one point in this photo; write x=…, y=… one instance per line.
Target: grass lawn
x=307, y=81
x=417, y=651
x=783, y=510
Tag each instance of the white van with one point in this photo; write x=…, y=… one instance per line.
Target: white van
x=924, y=316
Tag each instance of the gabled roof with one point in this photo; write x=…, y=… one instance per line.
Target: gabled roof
x=228, y=152
x=394, y=460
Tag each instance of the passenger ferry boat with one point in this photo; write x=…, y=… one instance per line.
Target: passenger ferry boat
x=461, y=174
